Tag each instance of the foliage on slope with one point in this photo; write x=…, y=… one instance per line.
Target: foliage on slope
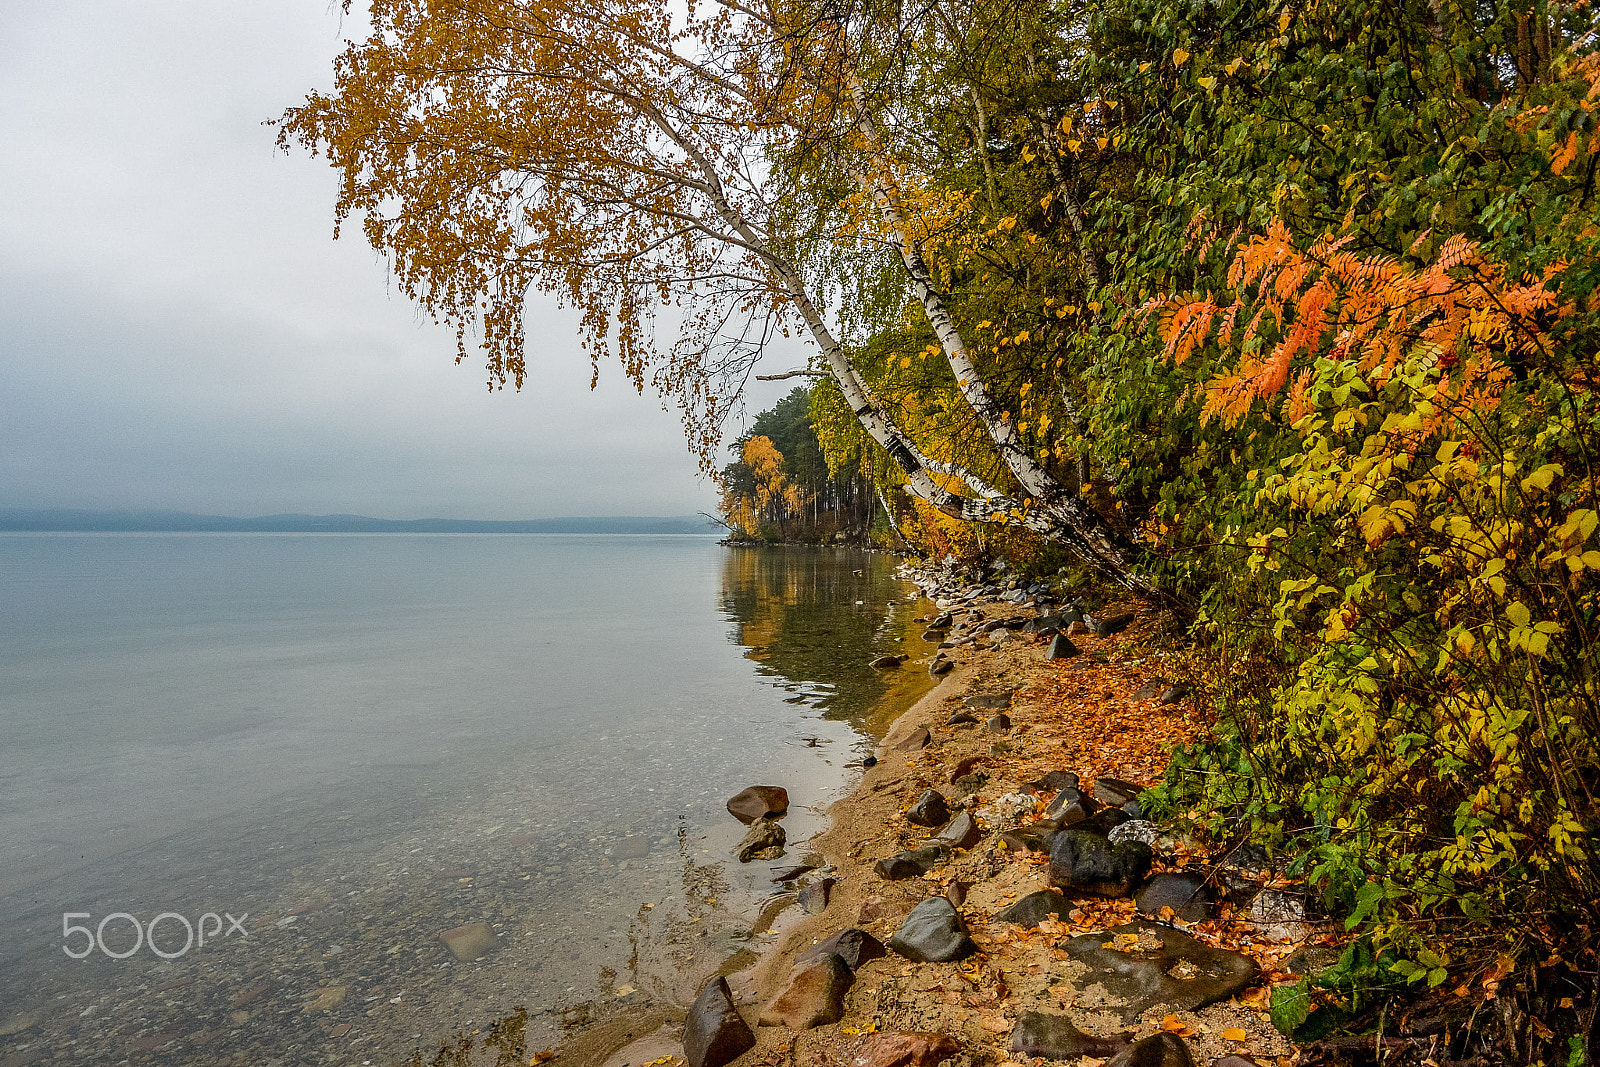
x=1351, y=383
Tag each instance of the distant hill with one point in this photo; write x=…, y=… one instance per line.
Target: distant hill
x=90, y=521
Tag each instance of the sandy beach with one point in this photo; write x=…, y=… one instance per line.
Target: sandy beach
x=1098, y=715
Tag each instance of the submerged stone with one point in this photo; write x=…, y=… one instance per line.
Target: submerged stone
x=470, y=941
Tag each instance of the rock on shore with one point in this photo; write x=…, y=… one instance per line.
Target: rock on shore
x=987, y=880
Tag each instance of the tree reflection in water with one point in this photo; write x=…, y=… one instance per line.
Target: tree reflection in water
x=814, y=618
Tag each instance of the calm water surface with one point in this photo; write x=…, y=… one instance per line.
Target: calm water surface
x=362, y=741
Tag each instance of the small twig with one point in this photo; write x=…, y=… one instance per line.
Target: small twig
x=801, y=372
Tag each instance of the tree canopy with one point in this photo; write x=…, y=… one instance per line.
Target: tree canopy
x=1279, y=314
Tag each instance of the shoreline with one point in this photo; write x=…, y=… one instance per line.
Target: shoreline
x=984, y=1002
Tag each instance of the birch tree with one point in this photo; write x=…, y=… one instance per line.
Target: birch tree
x=620, y=157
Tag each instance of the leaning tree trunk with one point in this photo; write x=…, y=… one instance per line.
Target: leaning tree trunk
x=1049, y=508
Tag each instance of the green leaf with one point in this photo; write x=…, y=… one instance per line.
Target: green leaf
x=1291, y=1004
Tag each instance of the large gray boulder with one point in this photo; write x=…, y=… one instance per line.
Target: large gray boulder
x=1085, y=862
x=1137, y=971
x=933, y=933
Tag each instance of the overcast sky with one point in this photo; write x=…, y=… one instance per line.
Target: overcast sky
x=179, y=330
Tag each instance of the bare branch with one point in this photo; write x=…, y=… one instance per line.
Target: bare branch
x=801, y=372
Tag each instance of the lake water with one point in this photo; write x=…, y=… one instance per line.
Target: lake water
x=347, y=744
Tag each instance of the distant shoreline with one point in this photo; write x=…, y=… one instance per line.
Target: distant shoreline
x=74, y=520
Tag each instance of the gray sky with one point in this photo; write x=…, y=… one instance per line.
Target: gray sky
x=178, y=330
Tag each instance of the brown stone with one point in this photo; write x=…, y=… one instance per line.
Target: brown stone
x=960, y=832
x=917, y=739
x=762, y=835
x=470, y=941
x=906, y=1049
x=966, y=766
x=327, y=998
x=814, y=896
x=815, y=996
x=254, y=993
x=759, y=802
x=1056, y=1037
x=873, y=908
x=714, y=1034
x=853, y=946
